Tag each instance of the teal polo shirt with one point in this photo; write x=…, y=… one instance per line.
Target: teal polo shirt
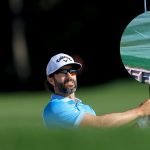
x=65, y=112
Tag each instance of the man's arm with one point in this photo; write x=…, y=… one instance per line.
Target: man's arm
x=116, y=119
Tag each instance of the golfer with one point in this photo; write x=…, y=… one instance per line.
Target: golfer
x=65, y=110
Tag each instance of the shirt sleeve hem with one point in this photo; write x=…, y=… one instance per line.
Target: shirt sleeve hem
x=79, y=119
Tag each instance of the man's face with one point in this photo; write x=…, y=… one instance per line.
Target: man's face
x=64, y=81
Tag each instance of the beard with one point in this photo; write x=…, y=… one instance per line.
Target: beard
x=61, y=87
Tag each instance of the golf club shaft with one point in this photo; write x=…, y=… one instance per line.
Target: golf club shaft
x=145, y=6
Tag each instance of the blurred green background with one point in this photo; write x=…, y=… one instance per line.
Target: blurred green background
x=22, y=128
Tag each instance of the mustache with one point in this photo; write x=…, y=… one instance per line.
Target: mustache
x=67, y=80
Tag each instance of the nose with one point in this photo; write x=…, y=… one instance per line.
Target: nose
x=69, y=74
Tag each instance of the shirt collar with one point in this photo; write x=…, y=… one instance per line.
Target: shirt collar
x=62, y=98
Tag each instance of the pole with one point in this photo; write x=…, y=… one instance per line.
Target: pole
x=149, y=90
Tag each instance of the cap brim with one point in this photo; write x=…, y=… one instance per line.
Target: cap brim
x=76, y=66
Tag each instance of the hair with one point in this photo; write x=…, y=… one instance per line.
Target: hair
x=49, y=87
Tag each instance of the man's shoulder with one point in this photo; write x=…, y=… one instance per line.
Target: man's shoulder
x=56, y=105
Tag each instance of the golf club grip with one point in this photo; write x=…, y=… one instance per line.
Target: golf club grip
x=144, y=122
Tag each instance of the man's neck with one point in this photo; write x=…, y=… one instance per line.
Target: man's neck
x=71, y=96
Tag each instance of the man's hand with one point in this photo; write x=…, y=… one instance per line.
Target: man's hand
x=144, y=108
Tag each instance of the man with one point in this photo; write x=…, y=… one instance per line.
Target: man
x=65, y=110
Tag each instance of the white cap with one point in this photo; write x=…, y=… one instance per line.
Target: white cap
x=60, y=60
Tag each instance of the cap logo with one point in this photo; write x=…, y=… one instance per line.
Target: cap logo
x=64, y=58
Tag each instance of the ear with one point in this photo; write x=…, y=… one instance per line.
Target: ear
x=50, y=80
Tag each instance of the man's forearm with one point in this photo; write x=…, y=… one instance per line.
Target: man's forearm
x=117, y=119
x=111, y=120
